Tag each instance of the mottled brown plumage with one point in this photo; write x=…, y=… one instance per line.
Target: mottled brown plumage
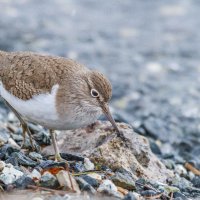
x=55, y=92
x=25, y=74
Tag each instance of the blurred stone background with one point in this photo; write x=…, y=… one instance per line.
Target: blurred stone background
x=150, y=50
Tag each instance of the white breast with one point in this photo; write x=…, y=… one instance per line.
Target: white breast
x=40, y=109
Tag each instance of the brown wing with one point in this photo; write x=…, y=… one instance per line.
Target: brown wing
x=25, y=74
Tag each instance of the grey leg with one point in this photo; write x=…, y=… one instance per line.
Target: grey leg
x=55, y=145
x=24, y=125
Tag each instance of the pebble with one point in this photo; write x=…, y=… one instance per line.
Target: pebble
x=78, y=167
x=90, y=180
x=196, y=181
x=12, y=117
x=85, y=186
x=168, y=189
x=168, y=163
x=6, y=151
x=179, y=195
x=42, y=138
x=47, y=164
x=88, y=164
x=4, y=136
x=180, y=169
x=130, y=196
x=95, y=176
x=35, y=175
x=181, y=182
x=10, y=174
x=48, y=180
x=191, y=175
x=2, y=165
x=23, y=182
x=64, y=180
x=23, y=160
x=35, y=156
x=123, y=180
x=108, y=187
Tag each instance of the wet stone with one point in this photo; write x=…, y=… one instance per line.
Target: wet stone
x=48, y=180
x=35, y=156
x=6, y=151
x=155, y=148
x=85, y=186
x=149, y=193
x=49, y=164
x=17, y=138
x=23, y=182
x=107, y=187
x=42, y=138
x=10, y=174
x=179, y=195
x=130, y=196
x=23, y=160
x=34, y=128
x=168, y=189
x=71, y=157
x=4, y=136
x=78, y=167
x=35, y=175
x=168, y=163
x=123, y=180
x=180, y=170
x=92, y=181
x=191, y=175
x=181, y=182
x=196, y=181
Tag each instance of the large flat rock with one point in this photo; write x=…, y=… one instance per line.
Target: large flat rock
x=100, y=143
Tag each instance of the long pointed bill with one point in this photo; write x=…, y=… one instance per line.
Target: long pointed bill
x=107, y=113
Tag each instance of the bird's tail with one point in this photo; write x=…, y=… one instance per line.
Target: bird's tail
x=2, y=62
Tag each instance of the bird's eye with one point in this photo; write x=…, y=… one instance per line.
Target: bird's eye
x=94, y=93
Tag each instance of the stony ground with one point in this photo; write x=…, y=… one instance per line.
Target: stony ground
x=148, y=49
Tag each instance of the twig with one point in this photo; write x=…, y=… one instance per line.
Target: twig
x=60, y=192
x=191, y=168
x=171, y=196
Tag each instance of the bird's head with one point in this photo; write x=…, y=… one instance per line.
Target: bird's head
x=99, y=93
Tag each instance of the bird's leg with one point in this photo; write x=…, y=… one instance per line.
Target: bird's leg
x=24, y=125
x=25, y=130
x=58, y=156
x=55, y=145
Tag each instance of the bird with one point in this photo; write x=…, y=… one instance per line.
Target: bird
x=55, y=92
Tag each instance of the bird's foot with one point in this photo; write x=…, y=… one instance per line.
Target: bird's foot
x=25, y=129
x=58, y=158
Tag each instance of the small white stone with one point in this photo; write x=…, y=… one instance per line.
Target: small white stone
x=95, y=176
x=88, y=164
x=35, y=174
x=107, y=185
x=180, y=170
x=12, y=117
x=66, y=180
x=191, y=175
x=10, y=174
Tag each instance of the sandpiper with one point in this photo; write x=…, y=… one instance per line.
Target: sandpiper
x=55, y=92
